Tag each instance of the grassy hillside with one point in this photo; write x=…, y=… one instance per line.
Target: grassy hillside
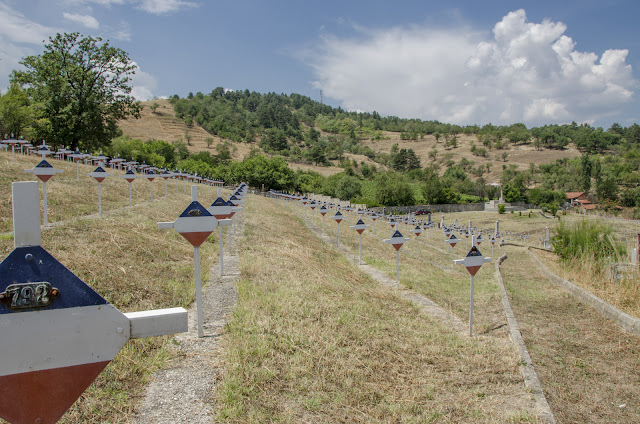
x=162, y=124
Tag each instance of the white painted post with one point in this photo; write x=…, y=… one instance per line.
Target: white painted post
x=397, y=240
x=397, y=268
x=453, y=256
x=221, y=247
x=196, y=260
x=473, y=261
x=471, y=309
x=26, y=214
x=99, y=198
x=81, y=338
x=44, y=201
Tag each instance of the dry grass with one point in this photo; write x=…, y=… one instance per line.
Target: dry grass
x=312, y=339
x=623, y=294
x=521, y=155
x=588, y=366
x=163, y=125
x=68, y=197
x=135, y=266
x=449, y=289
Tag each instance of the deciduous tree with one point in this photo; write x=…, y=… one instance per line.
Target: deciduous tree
x=83, y=87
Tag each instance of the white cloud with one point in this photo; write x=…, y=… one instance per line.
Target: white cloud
x=527, y=72
x=85, y=20
x=143, y=84
x=161, y=7
x=18, y=37
x=105, y=3
x=15, y=27
x=121, y=32
x=156, y=7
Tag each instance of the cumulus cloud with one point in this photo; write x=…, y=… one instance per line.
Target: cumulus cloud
x=84, y=20
x=527, y=72
x=143, y=84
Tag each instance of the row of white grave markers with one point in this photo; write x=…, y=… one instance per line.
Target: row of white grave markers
x=102, y=160
x=44, y=171
x=58, y=333
x=397, y=240
x=196, y=223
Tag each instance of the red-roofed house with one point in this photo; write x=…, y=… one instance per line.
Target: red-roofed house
x=574, y=196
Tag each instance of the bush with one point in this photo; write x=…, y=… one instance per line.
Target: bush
x=586, y=240
x=501, y=208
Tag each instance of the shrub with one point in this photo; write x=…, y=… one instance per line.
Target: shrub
x=586, y=240
x=501, y=208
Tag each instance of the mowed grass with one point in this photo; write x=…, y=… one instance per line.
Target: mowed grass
x=136, y=267
x=68, y=197
x=313, y=339
x=588, y=366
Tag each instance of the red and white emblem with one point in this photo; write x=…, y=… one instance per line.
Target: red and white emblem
x=194, y=224
x=396, y=240
x=473, y=261
x=360, y=226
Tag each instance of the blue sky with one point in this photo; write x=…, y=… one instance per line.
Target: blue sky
x=464, y=62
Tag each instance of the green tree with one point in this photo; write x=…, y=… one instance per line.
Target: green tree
x=585, y=161
x=348, y=188
x=607, y=187
x=83, y=86
x=393, y=190
x=16, y=113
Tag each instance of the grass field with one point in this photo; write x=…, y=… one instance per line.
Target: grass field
x=315, y=339
x=125, y=258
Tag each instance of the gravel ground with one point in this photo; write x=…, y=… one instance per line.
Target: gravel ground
x=183, y=391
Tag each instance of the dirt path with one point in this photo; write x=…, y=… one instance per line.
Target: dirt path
x=588, y=366
x=183, y=392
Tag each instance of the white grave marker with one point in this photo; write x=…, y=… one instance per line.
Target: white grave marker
x=194, y=224
x=221, y=210
x=397, y=240
x=473, y=261
x=44, y=171
x=453, y=240
x=360, y=227
x=338, y=217
x=323, y=212
x=99, y=174
x=417, y=231
x=58, y=333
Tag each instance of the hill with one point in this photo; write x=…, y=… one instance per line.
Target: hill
x=163, y=124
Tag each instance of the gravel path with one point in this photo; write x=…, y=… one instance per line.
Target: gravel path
x=183, y=392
